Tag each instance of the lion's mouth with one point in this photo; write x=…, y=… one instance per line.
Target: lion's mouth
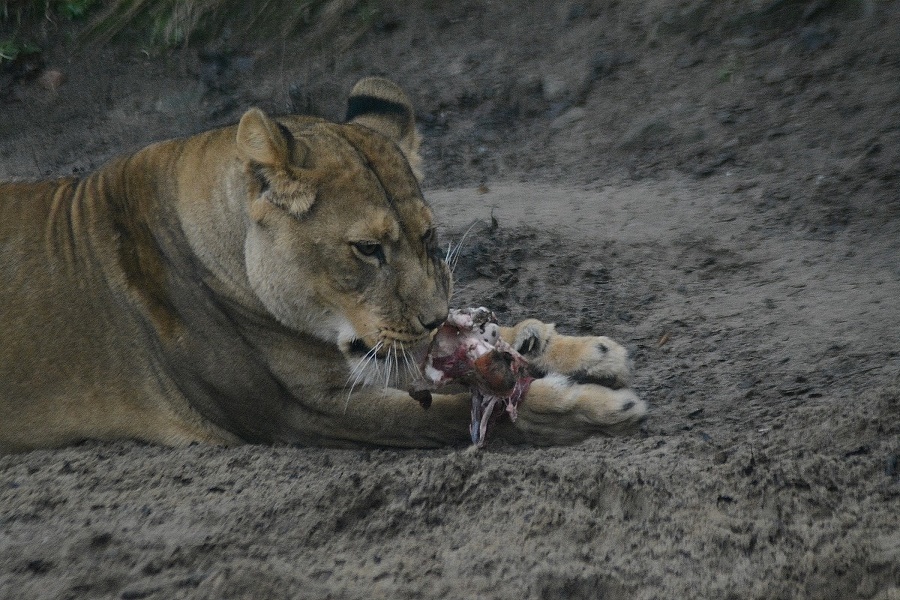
x=391, y=343
x=358, y=346
x=386, y=360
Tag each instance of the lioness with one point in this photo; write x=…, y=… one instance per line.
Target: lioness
x=269, y=282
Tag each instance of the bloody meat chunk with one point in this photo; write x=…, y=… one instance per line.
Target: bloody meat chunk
x=468, y=350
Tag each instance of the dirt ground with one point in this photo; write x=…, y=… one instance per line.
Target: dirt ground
x=714, y=184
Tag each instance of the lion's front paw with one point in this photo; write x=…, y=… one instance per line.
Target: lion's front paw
x=556, y=410
x=590, y=360
x=607, y=409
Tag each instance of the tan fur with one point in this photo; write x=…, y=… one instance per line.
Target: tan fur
x=226, y=287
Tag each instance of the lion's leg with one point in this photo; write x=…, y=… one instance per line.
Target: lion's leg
x=384, y=417
x=164, y=427
x=555, y=411
x=53, y=422
x=583, y=392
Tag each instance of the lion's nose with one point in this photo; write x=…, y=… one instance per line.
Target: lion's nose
x=434, y=324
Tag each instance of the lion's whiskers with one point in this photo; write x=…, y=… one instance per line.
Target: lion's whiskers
x=362, y=371
x=408, y=362
x=358, y=373
x=388, y=363
x=452, y=256
x=361, y=363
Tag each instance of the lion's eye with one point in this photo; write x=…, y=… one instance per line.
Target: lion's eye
x=429, y=237
x=369, y=249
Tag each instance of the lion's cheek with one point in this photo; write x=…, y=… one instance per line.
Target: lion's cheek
x=325, y=302
x=279, y=282
x=362, y=310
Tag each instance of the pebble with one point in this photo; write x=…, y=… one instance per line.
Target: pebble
x=51, y=79
x=605, y=63
x=813, y=39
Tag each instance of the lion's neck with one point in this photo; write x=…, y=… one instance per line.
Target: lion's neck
x=183, y=213
x=189, y=194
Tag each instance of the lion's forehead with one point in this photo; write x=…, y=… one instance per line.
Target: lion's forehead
x=389, y=224
x=374, y=224
x=370, y=175
x=355, y=148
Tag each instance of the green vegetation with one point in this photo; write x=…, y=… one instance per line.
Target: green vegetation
x=162, y=24
x=19, y=19
x=172, y=23
x=12, y=49
x=29, y=12
x=75, y=9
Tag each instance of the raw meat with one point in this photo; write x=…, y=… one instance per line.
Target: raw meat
x=468, y=350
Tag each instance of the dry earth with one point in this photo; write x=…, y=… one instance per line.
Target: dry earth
x=715, y=184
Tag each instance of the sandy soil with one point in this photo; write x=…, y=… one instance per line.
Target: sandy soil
x=714, y=184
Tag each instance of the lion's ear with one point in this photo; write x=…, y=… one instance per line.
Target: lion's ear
x=260, y=140
x=271, y=148
x=381, y=105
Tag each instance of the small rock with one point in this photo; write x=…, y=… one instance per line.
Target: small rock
x=794, y=389
x=39, y=566
x=724, y=116
x=221, y=108
x=576, y=11
x=51, y=79
x=604, y=63
x=708, y=168
x=138, y=592
x=891, y=468
x=184, y=101
x=858, y=451
x=101, y=540
x=244, y=64
x=885, y=550
x=213, y=67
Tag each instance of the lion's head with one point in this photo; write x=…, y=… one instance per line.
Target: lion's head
x=340, y=242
